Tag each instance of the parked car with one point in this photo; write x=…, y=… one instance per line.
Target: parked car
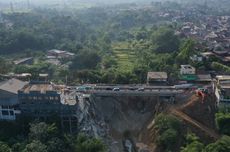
x=108, y=89
x=116, y=89
x=141, y=89
x=84, y=88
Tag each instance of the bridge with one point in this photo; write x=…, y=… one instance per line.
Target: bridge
x=163, y=93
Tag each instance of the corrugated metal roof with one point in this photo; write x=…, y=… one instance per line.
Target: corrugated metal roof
x=22, y=60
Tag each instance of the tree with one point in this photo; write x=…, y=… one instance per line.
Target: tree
x=186, y=51
x=220, y=67
x=4, y=66
x=223, y=122
x=56, y=145
x=167, y=128
x=4, y=147
x=42, y=131
x=85, y=60
x=164, y=122
x=108, y=62
x=35, y=146
x=168, y=138
x=166, y=40
x=86, y=144
x=193, y=144
x=221, y=145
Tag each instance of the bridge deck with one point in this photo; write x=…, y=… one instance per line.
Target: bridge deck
x=166, y=93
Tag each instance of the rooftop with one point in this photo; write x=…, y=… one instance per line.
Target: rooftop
x=38, y=87
x=12, y=85
x=204, y=77
x=223, y=77
x=22, y=60
x=57, y=51
x=43, y=75
x=157, y=75
x=187, y=67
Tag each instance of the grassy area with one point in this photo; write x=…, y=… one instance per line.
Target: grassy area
x=124, y=56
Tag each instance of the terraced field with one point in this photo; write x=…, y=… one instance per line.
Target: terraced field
x=124, y=56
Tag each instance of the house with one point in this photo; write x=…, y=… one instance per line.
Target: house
x=22, y=76
x=59, y=54
x=223, y=79
x=43, y=77
x=208, y=55
x=223, y=90
x=211, y=36
x=44, y=99
x=154, y=78
x=9, y=98
x=187, y=69
x=196, y=58
x=28, y=61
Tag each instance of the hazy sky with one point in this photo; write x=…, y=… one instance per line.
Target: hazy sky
x=24, y=3
x=61, y=1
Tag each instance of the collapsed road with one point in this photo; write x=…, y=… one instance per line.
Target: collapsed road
x=119, y=117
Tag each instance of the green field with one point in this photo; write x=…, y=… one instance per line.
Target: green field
x=124, y=56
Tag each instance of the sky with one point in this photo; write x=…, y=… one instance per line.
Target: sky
x=51, y=3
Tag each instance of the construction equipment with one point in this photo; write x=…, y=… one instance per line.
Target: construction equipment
x=201, y=92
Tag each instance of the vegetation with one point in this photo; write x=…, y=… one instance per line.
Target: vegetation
x=221, y=145
x=193, y=144
x=116, y=48
x=222, y=121
x=44, y=137
x=168, y=128
x=220, y=67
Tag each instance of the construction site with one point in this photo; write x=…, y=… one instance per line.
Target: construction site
x=123, y=116
x=126, y=122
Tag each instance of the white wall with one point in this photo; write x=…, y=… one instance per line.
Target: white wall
x=7, y=113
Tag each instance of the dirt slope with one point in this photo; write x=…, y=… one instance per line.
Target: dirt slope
x=198, y=116
x=210, y=132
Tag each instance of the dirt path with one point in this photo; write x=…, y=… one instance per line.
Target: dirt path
x=192, y=100
x=212, y=133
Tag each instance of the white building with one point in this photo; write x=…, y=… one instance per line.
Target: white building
x=187, y=69
x=59, y=54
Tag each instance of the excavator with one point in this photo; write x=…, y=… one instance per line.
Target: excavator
x=202, y=92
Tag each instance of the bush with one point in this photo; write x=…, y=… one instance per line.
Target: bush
x=4, y=147
x=193, y=144
x=223, y=123
x=167, y=128
x=222, y=145
x=86, y=144
x=168, y=138
x=164, y=122
x=35, y=146
x=220, y=67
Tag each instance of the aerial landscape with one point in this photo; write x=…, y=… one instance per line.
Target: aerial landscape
x=114, y=76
